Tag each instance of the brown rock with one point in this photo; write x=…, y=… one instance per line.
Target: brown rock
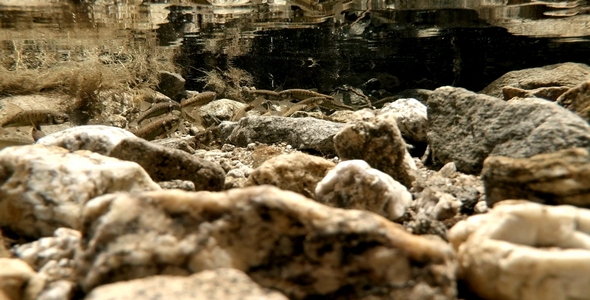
x=297, y=172
x=577, y=100
x=18, y=281
x=226, y=284
x=561, y=177
x=166, y=164
x=549, y=93
x=281, y=239
x=377, y=140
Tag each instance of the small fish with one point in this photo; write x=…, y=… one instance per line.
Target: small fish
x=158, y=127
x=301, y=94
x=198, y=100
x=17, y=117
x=309, y=105
x=14, y=140
x=265, y=94
x=156, y=110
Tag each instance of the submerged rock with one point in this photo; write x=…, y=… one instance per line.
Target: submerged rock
x=96, y=138
x=377, y=140
x=281, y=239
x=562, y=177
x=223, y=283
x=170, y=83
x=45, y=187
x=166, y=164
x=465, y=128
x=522, y=250
x=354, y=184
x=301, y=133
x=297, y=172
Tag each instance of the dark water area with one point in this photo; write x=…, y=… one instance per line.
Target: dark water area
x=381, y=46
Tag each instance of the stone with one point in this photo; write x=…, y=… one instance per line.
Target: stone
x=523, y=250
x=353, y=184
x=185, y=144
x=219, y=110
x=465, y=128
x=58, y=290
x=170, y=83
x=18, y=281
x=281, y=239
x=301, y=133
x=377, y=140
x=562, y=177
x=3, y=244
x=178, y=184
x=45, y=187
x=549, y=93
x=166, y=164
x=558, y=75
x=62, y=245
x=297, y=172
x=96, y=138
x=411, y=118
x=220, y=283
x=577, y=100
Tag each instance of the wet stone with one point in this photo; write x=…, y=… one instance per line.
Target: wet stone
x=219, y=110
x=166, y=164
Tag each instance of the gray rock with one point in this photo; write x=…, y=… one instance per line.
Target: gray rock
x=224, y=283
x=45, y=187
x=165, y=164
x=377, y=140
x=170, y=84
x=354, y=184
x=562, y=177
x=577, y=100
x=96, y=138
x=281, y=239
x=301, y=133
x=558, y=75
x=465, y=127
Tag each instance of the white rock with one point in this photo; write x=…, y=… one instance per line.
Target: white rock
x=411, y=117
x=61, y=245
x=354, y=184
x=45, y=187
x=437, y=205
x=523, y=250
x=96, y=138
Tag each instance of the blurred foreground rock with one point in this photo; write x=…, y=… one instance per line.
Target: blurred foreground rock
x=18, y=281
x=282, y=240
x=96, y=138
x=524, y=251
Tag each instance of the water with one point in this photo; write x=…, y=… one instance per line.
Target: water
x=382, y=46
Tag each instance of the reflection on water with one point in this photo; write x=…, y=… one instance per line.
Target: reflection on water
x=308, y=43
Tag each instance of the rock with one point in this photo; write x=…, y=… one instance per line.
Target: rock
x=185, y=144
x=170, y=84
x=297, y=172
x=3, y=245
x=281, y=239
x=549, y=93
x=219, y=110
x=411, y=118
x=96, y=138
x=301, y=133
x=178, y=184
x=354, y=184
x=558, y=75
x=45, y=187
x=376, y=140
x=562, y=177
x=58, y=290
x=577, y=100
x=18, y=281
x=165, y=164
x=465, y=128
x=61, y=246
x=523, y=250
x=221, y=283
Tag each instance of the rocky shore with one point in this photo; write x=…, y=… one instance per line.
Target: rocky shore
x=451, y=195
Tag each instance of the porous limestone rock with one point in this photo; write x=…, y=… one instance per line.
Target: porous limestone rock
x=353, y=184
x=465, y=127
x=525, y=251
x=411, y=118
x=61, y=246
x=281, y=239
x=45, y=187
x=166, y=164
x=18, y=281
x=96, y=138
x=558, y=75
x=562, y=177
x=223, y=283
x=301, y=133
x=297, y=172
x=377, y=140
x=577, y=100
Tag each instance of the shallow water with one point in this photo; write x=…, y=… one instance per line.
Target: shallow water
x=318, y=44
